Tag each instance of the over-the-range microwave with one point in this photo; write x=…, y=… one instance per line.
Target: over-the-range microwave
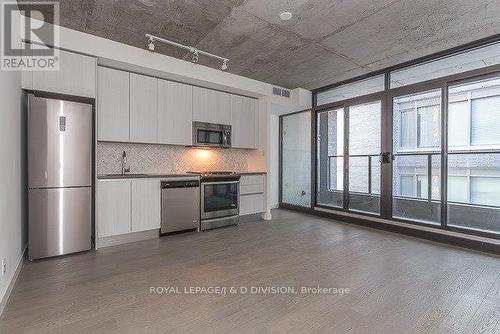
x=211, y=135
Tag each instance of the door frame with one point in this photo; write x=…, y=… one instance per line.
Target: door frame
x=389, y=168
x=346, y=105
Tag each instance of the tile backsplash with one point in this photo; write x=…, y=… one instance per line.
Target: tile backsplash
x=158, y=159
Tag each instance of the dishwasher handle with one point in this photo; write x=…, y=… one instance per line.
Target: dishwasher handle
x=180, y=184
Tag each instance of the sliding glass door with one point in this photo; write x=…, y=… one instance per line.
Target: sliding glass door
x=416, y=167
x=473, y=173
x=364, y=147
x=348, y=151
x=471, y=153
x=330, y=158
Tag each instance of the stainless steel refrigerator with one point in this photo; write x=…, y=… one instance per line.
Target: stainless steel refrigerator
x=59, y=177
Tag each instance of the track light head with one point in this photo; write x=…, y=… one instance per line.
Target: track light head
x=196, y=57
x=151, y=44
x=224, y=65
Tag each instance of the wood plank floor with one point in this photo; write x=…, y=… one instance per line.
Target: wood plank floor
x=396, y=284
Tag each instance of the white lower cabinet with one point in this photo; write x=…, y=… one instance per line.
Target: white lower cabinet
x=250, y=204
x=145, y=204
x=252, y=199
x=127, y=205
x=113, y=207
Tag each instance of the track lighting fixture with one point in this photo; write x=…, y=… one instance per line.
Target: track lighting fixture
x=195, y=53
x=196, y=56
x=151, y=44
x=224, y=65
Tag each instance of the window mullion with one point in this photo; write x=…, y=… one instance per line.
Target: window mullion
x=469, y=118
x=444, y=155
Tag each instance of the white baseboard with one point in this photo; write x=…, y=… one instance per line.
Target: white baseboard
x=267, y=216
x=5, y=298
x=127, y=238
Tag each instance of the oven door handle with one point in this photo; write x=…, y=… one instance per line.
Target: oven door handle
x=224, y=138
x=220, y=182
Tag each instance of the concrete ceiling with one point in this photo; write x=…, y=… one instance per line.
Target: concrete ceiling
x=326, y=41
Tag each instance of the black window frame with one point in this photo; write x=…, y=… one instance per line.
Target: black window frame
x=387, y=96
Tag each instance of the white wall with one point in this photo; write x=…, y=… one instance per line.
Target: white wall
x=12, y=224
x=274, y=163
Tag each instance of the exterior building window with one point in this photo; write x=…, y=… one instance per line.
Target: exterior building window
x=422, y=189
x=485, y=121
x=420, y=127
x=478, y=190
x=428, y=126
x=458, y=189
x=485, y=191
x=417, y=186
x=458, y=127
x=474, y=116
x=407, y=188
x=414, y=186
x=417, y=121
x=408, y=129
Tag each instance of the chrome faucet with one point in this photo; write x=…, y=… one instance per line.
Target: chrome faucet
x=124, y=163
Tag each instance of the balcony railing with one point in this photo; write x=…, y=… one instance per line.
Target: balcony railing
x=426, y=206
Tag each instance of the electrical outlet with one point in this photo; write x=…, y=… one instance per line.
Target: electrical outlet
x=4, y=266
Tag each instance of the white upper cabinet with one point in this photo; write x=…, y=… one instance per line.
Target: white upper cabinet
x=76, y=76
x=143, y=109
x=113, y=105
x=204, y=105
x=175, y=113
x=145, y=204
x=244, y=120
x=223, y=108
x=211, y=106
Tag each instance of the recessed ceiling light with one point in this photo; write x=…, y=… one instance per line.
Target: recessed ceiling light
x=285, y=16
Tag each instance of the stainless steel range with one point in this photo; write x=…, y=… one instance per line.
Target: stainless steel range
x=220, y=200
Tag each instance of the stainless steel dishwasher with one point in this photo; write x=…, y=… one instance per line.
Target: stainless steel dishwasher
x=180, y=206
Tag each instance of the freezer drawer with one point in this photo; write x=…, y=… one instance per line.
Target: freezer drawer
x=59, y=143
x=59, y=221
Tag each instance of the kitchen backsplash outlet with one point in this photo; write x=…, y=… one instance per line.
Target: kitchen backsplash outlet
x=165, y=159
